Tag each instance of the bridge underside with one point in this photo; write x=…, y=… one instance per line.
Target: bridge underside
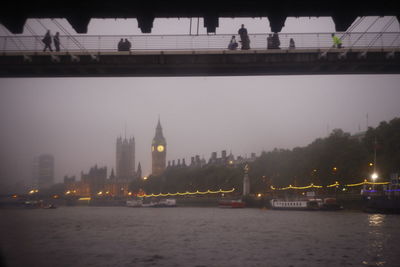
x=204, y=63
x=13, y=14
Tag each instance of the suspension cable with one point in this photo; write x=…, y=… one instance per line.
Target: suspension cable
x=13, y=40
x=29, y=28
x=347, y=33
x=65, y=31
x=369, y=27
x=385, y=27
x=352, y=27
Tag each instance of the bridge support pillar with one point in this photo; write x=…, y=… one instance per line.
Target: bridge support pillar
x=79, y=23
x=276, y=22
x=14, y=23
x=343, y=22
x=211, y=22
x=145, y=22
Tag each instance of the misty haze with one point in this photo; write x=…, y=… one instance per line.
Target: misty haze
x=84, y=158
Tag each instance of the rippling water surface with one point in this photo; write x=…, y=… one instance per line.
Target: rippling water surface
x=122, y=236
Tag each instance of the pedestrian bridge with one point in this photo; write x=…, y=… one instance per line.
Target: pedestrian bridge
x=200, y=55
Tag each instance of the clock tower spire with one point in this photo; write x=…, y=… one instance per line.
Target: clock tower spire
x=158, y=151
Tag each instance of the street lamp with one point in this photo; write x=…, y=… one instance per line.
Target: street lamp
x=374, y=176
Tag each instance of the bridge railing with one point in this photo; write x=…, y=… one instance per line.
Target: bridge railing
x=108, y=43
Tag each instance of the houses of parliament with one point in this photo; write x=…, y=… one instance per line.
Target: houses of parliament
x=96, y=182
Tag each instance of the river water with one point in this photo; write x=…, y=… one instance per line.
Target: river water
x=185, y=236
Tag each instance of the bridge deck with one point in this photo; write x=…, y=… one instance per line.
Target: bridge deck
x=376, y=53
x=201, y=52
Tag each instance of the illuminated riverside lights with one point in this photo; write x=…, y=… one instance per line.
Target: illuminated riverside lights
x=297, y=187
x=33, y=191
x=333, y=185
x=336, y=184
x=188, y=193
x=366, y=182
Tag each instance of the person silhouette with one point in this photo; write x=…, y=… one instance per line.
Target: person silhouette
x=121, y=45
x=56, y=40
x=47, y=41
x=244, y=38
x=269, y=41
x=233, y=44
x=292, y=45
x=127, y=45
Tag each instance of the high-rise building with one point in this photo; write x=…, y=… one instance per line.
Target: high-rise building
x=125, y=159
x=43, y=171
x=158, y=151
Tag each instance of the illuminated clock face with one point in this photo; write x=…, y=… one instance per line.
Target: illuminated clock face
x=152, y=148
x=160, y=148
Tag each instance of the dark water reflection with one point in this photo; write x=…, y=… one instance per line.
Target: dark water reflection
x=376, y=241
x=119, y=236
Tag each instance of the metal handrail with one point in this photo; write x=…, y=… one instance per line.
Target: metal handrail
x=107, y=43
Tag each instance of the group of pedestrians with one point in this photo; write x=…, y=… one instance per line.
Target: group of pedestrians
x=124, y=45
x=244, y=40
x=273, y=41
x=47, y=40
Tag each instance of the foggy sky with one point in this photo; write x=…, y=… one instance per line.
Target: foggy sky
x=78, y=119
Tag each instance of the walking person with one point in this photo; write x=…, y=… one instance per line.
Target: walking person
x=47, y=41
x=56, y=40
x=336, y=41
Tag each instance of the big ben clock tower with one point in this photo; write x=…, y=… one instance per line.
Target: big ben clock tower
x=158, y=151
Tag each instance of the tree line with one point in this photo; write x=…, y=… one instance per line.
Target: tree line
x=338, y=157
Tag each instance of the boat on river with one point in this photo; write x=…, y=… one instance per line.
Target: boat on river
x=382, y=198
x=306, y=204
x=230, y=203
x=168, y=202
x=162, y=203
x=135, y=203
